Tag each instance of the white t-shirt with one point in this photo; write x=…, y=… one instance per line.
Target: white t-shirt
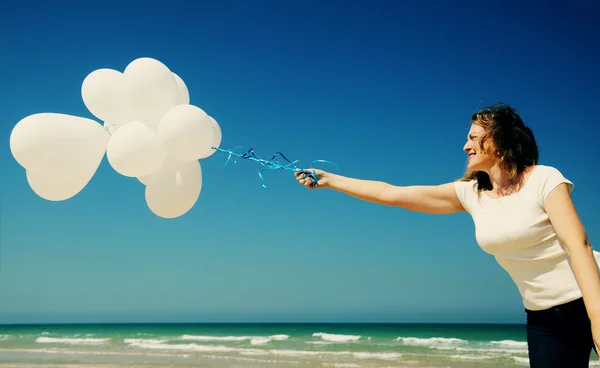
x=516, y=230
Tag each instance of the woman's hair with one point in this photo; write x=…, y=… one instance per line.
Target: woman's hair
x=509, y=140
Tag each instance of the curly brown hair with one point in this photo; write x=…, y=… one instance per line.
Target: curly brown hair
x=510, y=141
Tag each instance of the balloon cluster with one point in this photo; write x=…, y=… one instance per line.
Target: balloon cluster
x=149, y=132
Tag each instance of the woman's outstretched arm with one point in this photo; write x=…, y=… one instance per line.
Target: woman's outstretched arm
x=433, y=199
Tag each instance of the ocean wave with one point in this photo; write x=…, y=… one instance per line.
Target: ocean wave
x=275, y=352
x=476, y=351
x=510, y=343
x=260, y=340
x=496, y=347
x=79, y=352
x=71, y=340
x=383, y=356
x=354, y=354
x=186, y=347
x=521, y=360
x=319, y=342
x=336, y=337
x=431, y=341
x=149, y=341
x=470, y=357
x=254, y=340
x=4, y=337
x=214, y=338
x=490, y=350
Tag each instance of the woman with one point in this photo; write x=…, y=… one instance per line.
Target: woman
x=525, y=218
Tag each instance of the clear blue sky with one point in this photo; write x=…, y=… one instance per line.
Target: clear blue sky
x=382, y=88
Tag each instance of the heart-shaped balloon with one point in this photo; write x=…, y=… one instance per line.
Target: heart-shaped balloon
x=61, y=153
x=152, y=90
x=104, y=93
x=174, y=189
x=56, y=185
x=144, y=92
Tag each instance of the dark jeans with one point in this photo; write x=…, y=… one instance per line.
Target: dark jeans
x=560, y=336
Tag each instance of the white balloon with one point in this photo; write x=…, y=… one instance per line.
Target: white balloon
x=145, y=179
x=58, y=185
x=184, y=94
x=174, y=189
x=216, y=139
x=135, y=150
x=104, y=94
x=148, y=130
x=151, y=89
x=186, y=132
x=51, y=142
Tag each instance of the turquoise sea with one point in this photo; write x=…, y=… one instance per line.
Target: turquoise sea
x=263, y=345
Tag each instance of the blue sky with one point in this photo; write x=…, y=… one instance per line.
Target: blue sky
x=382, y=88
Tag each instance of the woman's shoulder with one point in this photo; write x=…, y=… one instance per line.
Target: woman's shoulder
x=545, y=178
x=464, y=184
x=466, y=191
x=545, y=172
x=545, y=169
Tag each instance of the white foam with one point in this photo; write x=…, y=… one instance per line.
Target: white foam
x=521, y=360
x=4, y=337
x=214, y=338
x=470, y=357
x=79, y=352
x=73, y=341
x=287, y=352
x=358, y=355
x=336, y=337
x=254, y=352
x=279, y=337
x=383, y=356
x=490, y=350
x=185, y=347
x=149, y=341
x=259, y=340
x=510, y=343
x=319, y=342
x=431, y=341
x=254, y=340
x=253, y=360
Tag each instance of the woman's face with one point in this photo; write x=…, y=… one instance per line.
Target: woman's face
x=479, y=160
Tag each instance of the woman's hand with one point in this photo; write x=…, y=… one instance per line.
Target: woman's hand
x=305, y=178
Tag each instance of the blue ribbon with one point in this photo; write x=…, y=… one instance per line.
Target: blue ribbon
x=273, y=165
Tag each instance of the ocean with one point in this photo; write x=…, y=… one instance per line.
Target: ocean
x=263, y=345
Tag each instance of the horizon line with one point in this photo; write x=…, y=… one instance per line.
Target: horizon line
x=258, y=323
